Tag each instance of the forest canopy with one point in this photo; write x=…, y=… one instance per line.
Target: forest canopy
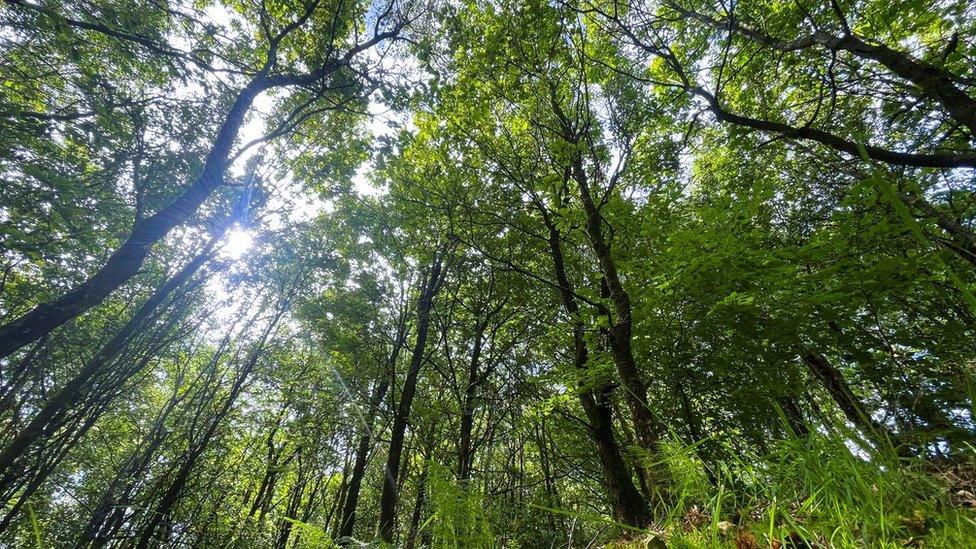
x=504, y=273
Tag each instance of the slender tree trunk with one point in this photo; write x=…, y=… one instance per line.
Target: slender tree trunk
x=552, y=494
x=15, y=378
x=794, y=416
x=702, y=446
x=39, y=459
x=273, y=465
x=341, y=496
x=348, y=520
x=418, y=508
x=172, y=494
x=465, y=449
x=362, y=449
x=79, y=387
x=45, y=465
x=388, y=499
x=840, y=391
x=295, y=495
x=625, y=501
x=111, y=506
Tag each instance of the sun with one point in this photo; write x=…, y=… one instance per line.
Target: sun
x=238, y=243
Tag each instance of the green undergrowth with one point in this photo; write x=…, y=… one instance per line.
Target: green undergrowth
x=817, y=492
x=814, y=492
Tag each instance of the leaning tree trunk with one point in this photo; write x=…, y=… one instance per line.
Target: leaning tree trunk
x=38, y=456
x=111, y=507
x=852, y=407
x=126, y=261
x=794, y=416
x=80, y=386
x=172, y=494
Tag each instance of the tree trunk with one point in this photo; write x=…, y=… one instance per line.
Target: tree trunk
x=111, y=507
x=348, y=521
x=702, y=445
x=362, y=449
x=625, y=501
x=465, y=450
x=126, y=261
x=852, y=407
x=79, y=387
x=388, y=499
x=794, y=416
x=418, y=508
x=621, y=327
x=169, y=499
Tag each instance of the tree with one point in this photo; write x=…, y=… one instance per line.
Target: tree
x=302, y=273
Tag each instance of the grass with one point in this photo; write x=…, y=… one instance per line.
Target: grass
x=807, y=492
x=816, y=493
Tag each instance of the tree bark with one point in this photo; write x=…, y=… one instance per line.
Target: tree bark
x=172, y=494
x=348, y=521
x=126, y=261
x=79, y=387
x=465, y=450
x=620, y=332
x=418, y=508
x=388, y=499
x=794, y=416
x=625, y=500
x=362, y=449
x=852, y=407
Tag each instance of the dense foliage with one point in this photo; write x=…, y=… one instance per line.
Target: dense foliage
x=510, y=273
